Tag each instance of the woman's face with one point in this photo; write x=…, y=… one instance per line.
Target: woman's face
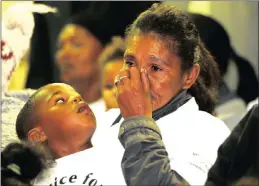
x=77, y=54
x=163, y=67
x=110, y=71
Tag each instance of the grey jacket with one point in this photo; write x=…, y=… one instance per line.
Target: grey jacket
x=145, y=160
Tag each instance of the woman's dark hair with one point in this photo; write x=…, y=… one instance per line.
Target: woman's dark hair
x=112, y=51
x=175, y=28
x=21, y=163
x=218, y=43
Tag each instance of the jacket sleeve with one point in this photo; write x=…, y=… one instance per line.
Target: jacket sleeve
x=145, y=160
x=238, y=153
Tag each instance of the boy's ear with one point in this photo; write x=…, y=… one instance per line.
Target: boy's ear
x=36, y=135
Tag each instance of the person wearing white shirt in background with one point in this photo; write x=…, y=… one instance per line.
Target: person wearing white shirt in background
x=169, y=83
x=111, y=62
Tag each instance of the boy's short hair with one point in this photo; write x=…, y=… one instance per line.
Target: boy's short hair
x=26, y=118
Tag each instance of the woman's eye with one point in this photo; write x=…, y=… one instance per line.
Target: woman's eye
x=60, y=101
x=156, y=68
x=108, y=86
x=129, y=63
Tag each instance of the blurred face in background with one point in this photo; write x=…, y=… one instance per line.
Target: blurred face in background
x=77, y=53
x=110, y=71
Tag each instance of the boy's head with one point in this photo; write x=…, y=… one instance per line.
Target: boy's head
x=56, y=114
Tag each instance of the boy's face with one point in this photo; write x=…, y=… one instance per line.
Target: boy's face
x=110, y=71
x=63, y=116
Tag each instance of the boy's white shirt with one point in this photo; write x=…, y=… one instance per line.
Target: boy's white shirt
x=191, y=138
x=98, y=161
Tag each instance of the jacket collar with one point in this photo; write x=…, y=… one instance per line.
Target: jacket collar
x=170, y=107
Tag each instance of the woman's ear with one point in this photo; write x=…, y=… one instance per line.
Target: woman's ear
x=37, y=135
x=191, y=76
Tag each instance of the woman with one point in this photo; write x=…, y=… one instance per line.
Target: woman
x=172, y=78
x=111, y=62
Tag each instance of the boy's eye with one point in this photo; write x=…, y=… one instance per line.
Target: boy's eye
x=60, y=100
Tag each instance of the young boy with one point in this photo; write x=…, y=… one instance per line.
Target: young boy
x=56, y=116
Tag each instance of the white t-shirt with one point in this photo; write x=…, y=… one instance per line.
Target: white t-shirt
x=98, y=107
x=88, y=167
x=99, y=165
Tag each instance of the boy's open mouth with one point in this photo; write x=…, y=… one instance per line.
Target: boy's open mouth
x=83, y=108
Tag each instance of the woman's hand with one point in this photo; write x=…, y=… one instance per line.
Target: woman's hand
x=133, y=93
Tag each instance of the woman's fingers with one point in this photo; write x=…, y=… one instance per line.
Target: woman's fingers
x=122, y=78
x=145, y=80
x=135, y=77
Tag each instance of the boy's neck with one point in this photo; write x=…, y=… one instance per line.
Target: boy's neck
x=68, y=149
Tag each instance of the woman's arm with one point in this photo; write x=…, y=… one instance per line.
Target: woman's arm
x=145, y=160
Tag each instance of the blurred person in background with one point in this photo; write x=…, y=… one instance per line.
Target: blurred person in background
x=217, y=41
x=239, y=82
x=111, y=62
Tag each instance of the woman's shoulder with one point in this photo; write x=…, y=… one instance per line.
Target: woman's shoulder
x=205, y=121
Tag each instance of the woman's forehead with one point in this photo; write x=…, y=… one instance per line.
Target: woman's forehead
x=145, y=40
